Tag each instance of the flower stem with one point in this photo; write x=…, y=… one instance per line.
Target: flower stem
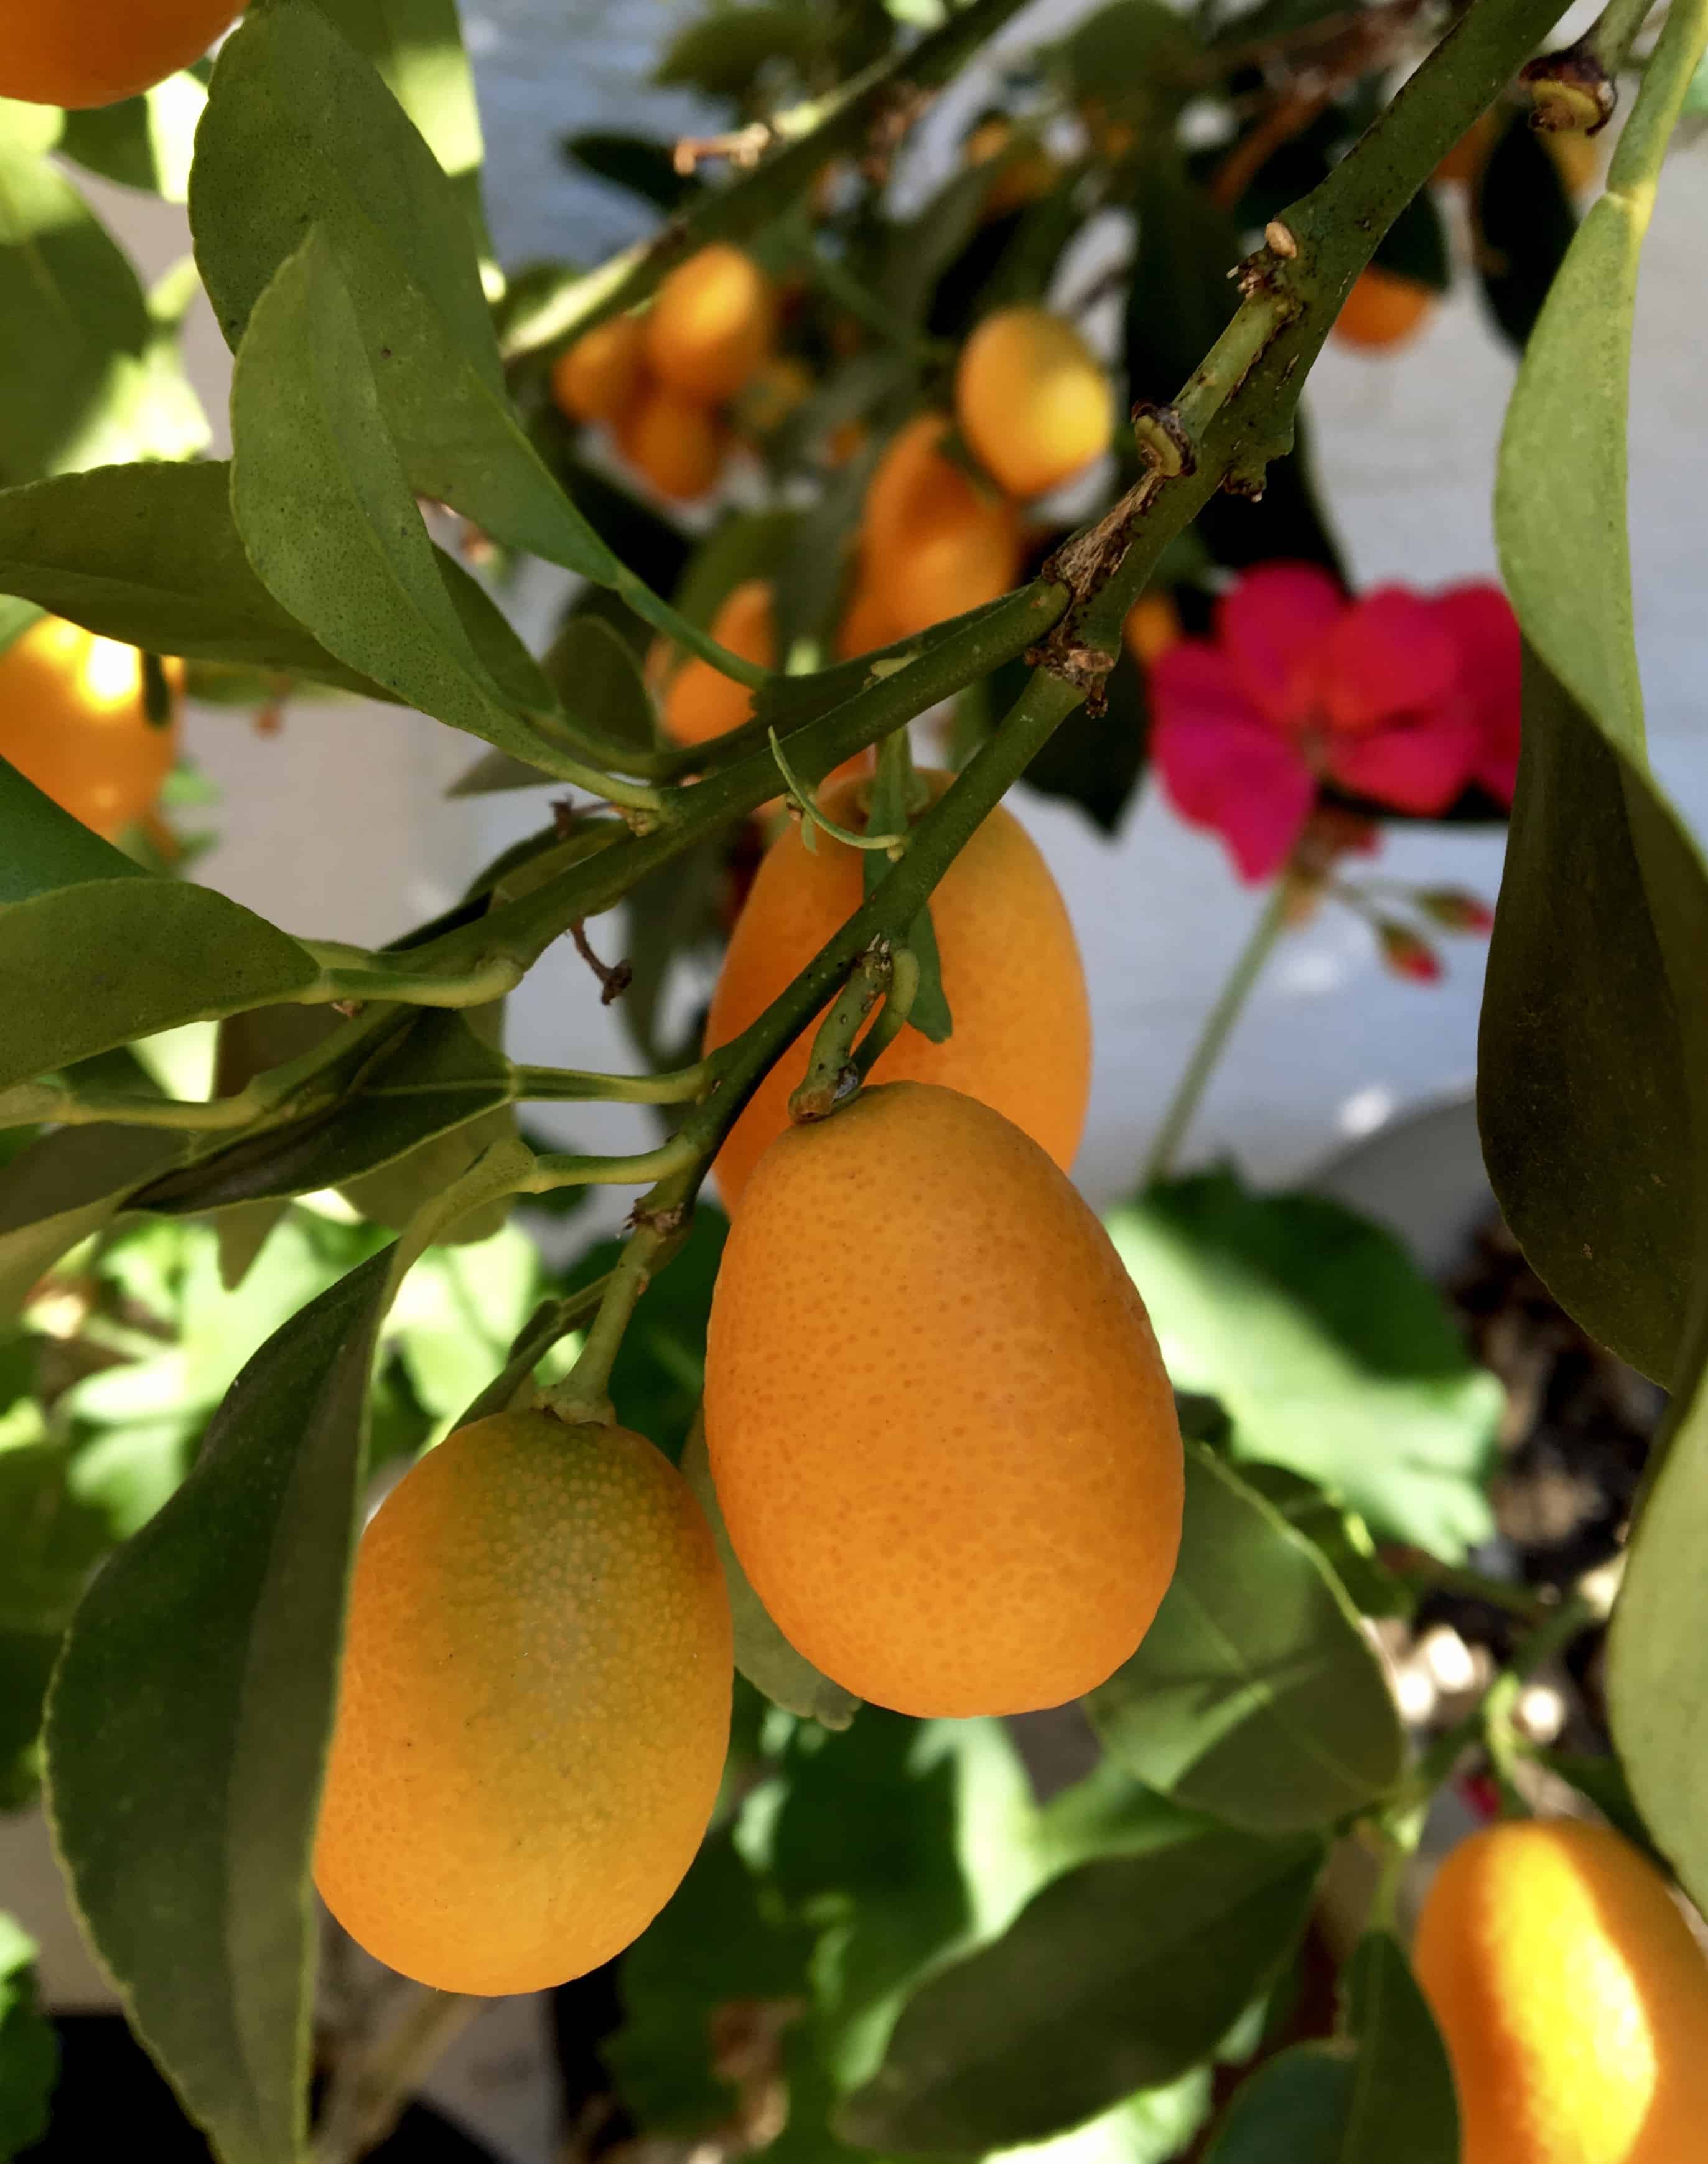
x=1217, y=1027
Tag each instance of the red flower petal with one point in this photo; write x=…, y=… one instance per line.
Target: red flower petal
x=1417, y=766
x=1240, y=778
x=1272, y=626
x=1392, y=653
x=1480, y=620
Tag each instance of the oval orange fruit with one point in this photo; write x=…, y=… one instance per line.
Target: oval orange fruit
x=678, y=445
x=73, y=720
x=1571, y=1996
x=1032, y=400
x=939, y=1429
x=933, y=543
x=534, y=1707
x=93, y=52
x=1011, y=970
x=711, y=324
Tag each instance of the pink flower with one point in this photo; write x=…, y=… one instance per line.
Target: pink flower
x=1396, y=697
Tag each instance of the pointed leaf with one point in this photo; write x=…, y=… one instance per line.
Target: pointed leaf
x=30, y=2049
x=65, y=1186
x=1256, y=1695
x=89, y=966
x=218, y=1625
x=1291, y=2111
x=1402, y=2109
x=1117, y=1976
x=46, y=847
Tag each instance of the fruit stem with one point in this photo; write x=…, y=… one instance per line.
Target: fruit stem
x=898, y=1005
x=1217, y=1027
x=370, y=2089
x=552, y=1319
x=661, y=1222
x=831, y=1074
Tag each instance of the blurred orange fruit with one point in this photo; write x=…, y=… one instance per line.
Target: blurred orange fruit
x=933, y=543
x=534, y=1706
x=600, y=375
x=92, y=52
x=678, y=445
x=711, y=324
x=1011, y=967
x=1572, y=1998
x=865, y=625
x=701, y=702
x=1032, y=400
x=73, y=720
x=942, y=1438
x=1381, y=309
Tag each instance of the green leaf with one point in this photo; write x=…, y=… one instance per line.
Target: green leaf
x=1601, y=1024
x=1603, y=1781
x=145, y=142
x=27, y=1659
x=644, y=167
x=1256, y=1695
x=150, y=554
x=456, y=1315
x=219, y=1626
x=1180, y=298
x=1589, y=1073
x=599, y=684
x=80, y=381
x=1118, y=1975
x=328, y=516
x=1153, y=2127
x=50, y=1537
x=102, y=963
x=65, y=1186
x=1331, y=1353
x=1340, y=1535
x=46, y=847
x=29, y=2050
x=1415, y=245
x=719, y=1938
x=1291, y=2111
x=763, y=1654
x=1380, y=2094
x=416, y=46
x=439, y=1076
x=726, y=52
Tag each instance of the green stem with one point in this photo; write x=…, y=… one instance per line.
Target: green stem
x=1432, y=1576
x=561, y=1168
x=568, y=1085
x=830, y=1072
x=565, y=765
x=661, y=1225
x=898, y=1005
x=551, y=1320
x=1217, y=1027
x=843, y=287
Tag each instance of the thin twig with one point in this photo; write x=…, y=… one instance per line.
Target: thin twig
x=371, y=2089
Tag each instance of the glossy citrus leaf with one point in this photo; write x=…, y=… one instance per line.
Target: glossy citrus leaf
x=1118, y=1975
x=326, y=513
x=150, y=554
x=763, y=1654
x=63, y=1187
x=1401, y=2108
x=106, y=962
x=1340, y=1535
x=219, y=1624
x=228, y=1603
x=30, y=2050
x=1292, y=2110
x=46, y=847
x=1329, y=1350
x=1256, y=1695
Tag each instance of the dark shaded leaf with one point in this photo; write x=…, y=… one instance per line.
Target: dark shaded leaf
x=46, y=847
x=65, y=1186
x=1256, y=1695
x=725, y=53
x=1415, y=245
x=1401, y=2108
x=634, y=162
x=1526, y=224
x=143, y=142
x=1117, y=1976
x=29, y=2050
x=1291, y=2111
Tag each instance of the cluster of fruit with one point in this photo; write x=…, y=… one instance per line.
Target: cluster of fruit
x=940, y=1432
x=662, y=382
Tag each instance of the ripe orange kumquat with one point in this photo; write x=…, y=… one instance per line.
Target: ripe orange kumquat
x=73, y=719
x=81, y=53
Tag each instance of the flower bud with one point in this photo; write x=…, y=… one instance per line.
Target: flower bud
x=1406, y=954
x=1454, y=909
